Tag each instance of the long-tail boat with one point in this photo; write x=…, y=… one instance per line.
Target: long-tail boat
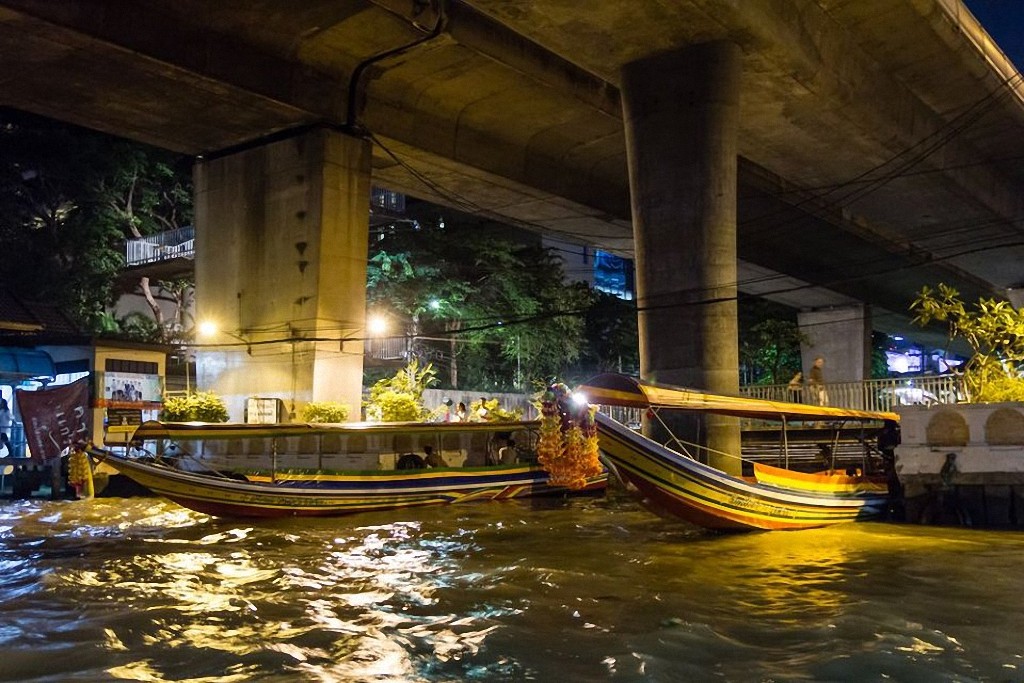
x=284, y=470
x=772, y=498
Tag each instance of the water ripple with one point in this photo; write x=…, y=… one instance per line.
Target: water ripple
x=591, y=589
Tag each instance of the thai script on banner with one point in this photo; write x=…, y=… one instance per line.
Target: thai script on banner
x=55, y=419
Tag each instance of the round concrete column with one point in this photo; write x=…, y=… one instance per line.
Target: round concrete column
x=681, y=113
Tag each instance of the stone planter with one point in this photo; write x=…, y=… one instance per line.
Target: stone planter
x=963, y=463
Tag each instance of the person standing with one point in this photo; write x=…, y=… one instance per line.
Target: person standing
x=480, y=411
x=461, y=414
x=816, y=382
x=6, y=422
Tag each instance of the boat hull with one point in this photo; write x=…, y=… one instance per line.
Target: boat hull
x=710, y=498
x=327, y=494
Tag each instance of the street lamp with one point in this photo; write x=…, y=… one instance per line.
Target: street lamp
x=210, y=329
x=377, y=325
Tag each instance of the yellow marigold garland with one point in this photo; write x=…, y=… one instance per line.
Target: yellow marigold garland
x=568, y=447
x=80, y=473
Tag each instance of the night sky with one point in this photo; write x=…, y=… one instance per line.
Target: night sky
x=1004, y=21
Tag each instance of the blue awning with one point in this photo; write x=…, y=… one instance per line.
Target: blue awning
x=21, y=364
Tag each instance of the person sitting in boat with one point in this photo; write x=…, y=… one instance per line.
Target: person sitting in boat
x=508, y=455
x=136, y=449
x=410, y=461
x=433, y=459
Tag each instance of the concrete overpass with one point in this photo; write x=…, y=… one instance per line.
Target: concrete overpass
x=875, y=135
x=879, y=141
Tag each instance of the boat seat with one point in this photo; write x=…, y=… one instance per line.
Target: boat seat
x=410, y=461
x=307, y=444
x=331, y=444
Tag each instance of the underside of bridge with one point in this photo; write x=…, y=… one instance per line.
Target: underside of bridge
x=879, y=140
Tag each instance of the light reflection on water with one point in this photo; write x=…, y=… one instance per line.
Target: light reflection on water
x=591, y=589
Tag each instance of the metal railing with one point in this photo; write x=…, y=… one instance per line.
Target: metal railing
x=870, y=394
x=387, y=348
x=178, y=243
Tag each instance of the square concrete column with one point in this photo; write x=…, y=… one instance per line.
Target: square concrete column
x=681, y=115
x=281, y=249
x=841, y=336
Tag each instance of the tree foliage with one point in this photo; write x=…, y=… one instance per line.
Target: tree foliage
x=770, y=340
x=496, y=309
x=611, y=332
x=994, y=330
x=69, y=198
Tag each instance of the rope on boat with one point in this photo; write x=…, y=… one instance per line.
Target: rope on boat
x=687, y=445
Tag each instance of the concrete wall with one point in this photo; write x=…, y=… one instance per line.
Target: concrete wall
x=963, y=463
x=842, y=336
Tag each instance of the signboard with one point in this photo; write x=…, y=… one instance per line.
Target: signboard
x=129, y=390
x=123, y=419
x=263, y=410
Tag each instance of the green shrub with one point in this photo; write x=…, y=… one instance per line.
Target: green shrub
x=199, y=406
x=396, y=406
x=324, y=411
x=399, y=398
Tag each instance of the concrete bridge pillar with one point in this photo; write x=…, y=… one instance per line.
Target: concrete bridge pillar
x=281, y=244
x=681, y=114
x=842, y=337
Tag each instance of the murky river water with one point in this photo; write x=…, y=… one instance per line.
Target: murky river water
x=585, y=590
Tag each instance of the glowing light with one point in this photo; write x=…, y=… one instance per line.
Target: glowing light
x=434, y=304
x=207, y=328
x=377, y=325
x=579, y=398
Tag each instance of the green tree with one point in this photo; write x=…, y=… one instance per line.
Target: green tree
x=770, y=340
x=994, y=330
x=612, y=339
x=69, y=198
x=495, y=310
x=879, y=361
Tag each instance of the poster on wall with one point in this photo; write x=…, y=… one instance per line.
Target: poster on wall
x=129, y=390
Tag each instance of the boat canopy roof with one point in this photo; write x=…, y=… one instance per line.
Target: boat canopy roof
x=620, y=390
x=181, y=431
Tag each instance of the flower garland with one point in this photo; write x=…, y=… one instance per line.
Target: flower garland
x=568, y=447
x=80, y=473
